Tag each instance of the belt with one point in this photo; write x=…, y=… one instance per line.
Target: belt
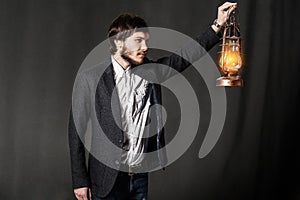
x=130, y=170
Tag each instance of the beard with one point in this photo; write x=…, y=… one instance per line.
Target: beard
x=132, y=62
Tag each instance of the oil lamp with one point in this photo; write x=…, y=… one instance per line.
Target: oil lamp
x=230, y=61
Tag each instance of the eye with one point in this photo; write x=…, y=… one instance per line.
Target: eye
x=138, y=40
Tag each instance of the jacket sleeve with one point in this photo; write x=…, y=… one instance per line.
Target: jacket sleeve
x=79, y=117
x=185, y=56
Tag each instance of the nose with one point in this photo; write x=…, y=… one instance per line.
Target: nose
x=144, y=46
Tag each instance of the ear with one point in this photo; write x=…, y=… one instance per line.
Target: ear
x=119, y=44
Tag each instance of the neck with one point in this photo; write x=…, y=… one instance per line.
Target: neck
x=124, y=63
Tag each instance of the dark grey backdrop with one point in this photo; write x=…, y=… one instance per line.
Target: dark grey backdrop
x=42, y=44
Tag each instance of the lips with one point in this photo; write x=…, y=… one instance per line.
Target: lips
x=141, y=54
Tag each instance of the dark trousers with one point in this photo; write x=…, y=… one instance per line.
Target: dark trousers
x=128, y=187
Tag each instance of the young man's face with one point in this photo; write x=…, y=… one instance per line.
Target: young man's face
x=135, y=47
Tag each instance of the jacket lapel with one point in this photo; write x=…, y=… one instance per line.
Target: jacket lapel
x=108, y=79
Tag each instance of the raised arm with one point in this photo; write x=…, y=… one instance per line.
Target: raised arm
x=193, y=51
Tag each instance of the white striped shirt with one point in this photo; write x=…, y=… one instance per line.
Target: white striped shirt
x=131, y=90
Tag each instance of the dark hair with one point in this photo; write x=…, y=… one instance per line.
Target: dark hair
x=124, y=26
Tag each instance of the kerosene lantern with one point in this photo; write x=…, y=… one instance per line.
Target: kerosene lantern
x=230, y=61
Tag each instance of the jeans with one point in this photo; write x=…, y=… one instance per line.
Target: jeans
x=128, y=187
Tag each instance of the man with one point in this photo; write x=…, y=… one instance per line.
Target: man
x=120, y=101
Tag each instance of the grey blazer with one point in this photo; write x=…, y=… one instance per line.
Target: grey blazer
x=94, y=102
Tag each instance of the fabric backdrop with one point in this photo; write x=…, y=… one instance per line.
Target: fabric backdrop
x=43, y=43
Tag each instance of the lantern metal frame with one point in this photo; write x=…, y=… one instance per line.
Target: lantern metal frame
x=231, y=39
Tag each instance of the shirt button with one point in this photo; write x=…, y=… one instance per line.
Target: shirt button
x=120, y=141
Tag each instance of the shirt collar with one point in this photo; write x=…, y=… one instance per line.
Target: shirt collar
x=118, y=69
